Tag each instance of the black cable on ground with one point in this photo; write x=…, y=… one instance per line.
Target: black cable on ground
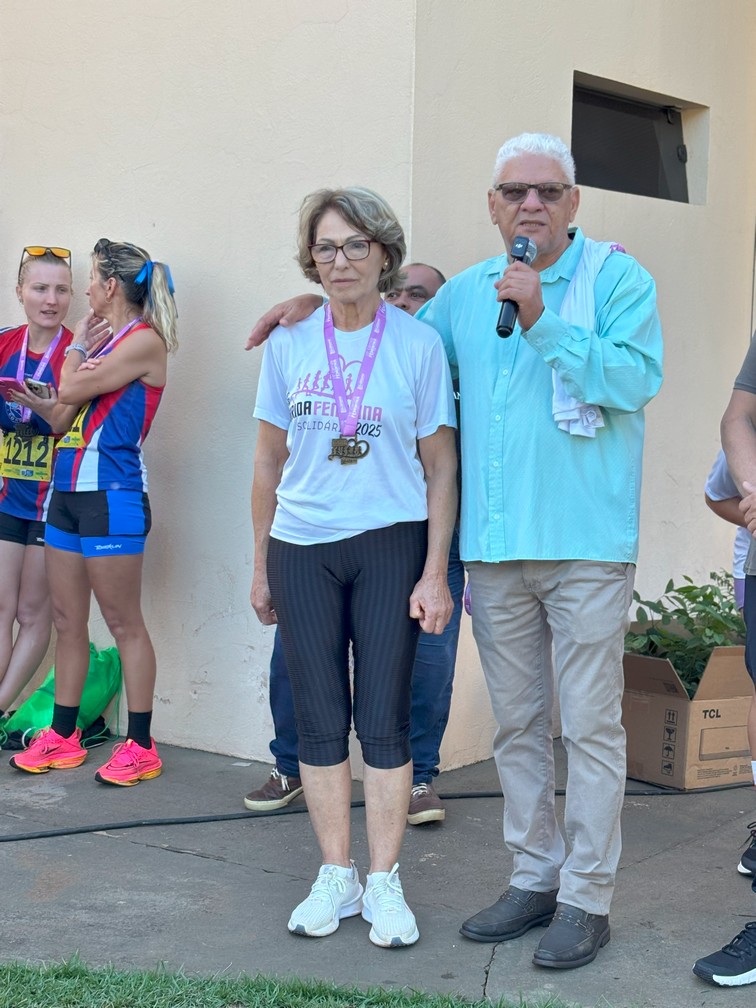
x=297, y=810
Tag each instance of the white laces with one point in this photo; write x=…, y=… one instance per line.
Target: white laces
x=388, y=892
x=324, y=885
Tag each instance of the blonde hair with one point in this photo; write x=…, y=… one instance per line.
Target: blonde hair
x=145, y=283
x=366, y=211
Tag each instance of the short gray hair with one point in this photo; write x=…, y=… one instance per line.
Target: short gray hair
x=536, y=143
x=368, y=213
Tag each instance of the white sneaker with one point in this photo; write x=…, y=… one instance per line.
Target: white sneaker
x=394, y=924
x=335, y=893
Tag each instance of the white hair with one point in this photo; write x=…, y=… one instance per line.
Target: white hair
x=536, y=143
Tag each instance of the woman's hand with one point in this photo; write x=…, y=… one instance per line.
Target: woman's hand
x=42, y=407
x=90, y=364
x=91, y=331
x=431, y=603
x=261, y=601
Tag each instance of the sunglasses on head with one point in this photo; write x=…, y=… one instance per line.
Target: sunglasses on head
x=32, y=251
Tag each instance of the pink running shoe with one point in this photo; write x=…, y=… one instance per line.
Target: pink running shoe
x=129, y=764
x=50, y=751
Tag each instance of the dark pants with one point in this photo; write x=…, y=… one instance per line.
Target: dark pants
x=353, y=591
x=749, y=615
x=432, y=681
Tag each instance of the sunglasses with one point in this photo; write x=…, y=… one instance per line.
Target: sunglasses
x=517, y=192
x=32, y=251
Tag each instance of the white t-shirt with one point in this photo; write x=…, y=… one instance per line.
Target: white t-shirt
x=409, y=396
x=721, y=486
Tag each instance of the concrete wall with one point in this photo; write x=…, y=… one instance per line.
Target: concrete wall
x=195, y=129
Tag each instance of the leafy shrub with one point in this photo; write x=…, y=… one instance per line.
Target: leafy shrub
x=686, y=624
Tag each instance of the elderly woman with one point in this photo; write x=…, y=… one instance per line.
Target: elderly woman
x=353, y=504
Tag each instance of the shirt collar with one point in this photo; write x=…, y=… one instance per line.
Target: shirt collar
x=565, y=265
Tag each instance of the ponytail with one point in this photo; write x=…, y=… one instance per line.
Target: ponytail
x=146, y=284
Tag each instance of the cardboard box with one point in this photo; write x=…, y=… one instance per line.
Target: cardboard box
x=682, y=743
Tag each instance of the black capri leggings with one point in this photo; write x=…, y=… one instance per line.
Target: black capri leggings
x=355, y=589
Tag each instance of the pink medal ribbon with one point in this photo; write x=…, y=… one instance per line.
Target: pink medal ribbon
x=39, y=371
x=348, y=408
x=114, y=339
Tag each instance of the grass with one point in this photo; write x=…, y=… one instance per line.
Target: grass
x=73, y=985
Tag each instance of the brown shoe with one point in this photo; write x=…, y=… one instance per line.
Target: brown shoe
x=425, y=806
x=573, y=939
x=515, y=912
x=277, y=791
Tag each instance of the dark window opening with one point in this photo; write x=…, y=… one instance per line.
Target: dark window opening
x=628, y=146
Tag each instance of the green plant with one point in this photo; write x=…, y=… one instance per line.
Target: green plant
x=686, y=624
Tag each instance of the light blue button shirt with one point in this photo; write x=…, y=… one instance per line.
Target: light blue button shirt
x=530, y=490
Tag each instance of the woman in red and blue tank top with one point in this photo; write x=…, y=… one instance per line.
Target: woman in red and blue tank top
x=99, y=514
x=33, y=352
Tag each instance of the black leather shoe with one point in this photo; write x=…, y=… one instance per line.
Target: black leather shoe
x=573, y=939
x=514, y=913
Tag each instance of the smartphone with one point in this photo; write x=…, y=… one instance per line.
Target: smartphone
x=11, y=385
x=39, y=388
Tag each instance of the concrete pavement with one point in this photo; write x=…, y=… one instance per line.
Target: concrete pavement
x=214, y=897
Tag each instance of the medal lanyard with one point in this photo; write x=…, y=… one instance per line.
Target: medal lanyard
x=348, y=408
x=20, y=370
x=114, y=339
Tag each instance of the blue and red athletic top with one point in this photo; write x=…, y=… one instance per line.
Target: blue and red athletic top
x=26, y=498
x=103, y=448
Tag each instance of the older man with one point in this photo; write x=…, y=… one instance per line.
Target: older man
x=432, y=674
x=552, y=438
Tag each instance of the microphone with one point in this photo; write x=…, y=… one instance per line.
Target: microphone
x=523, y=250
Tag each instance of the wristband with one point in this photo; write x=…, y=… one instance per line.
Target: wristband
x=75, y=346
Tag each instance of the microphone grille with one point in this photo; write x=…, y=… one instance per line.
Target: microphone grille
x=530, y=253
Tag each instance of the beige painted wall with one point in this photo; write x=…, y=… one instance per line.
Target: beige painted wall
x=195, y=129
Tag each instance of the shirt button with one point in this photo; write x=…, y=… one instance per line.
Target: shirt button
x=505, y=372
x=496, y=517
x=497, y=417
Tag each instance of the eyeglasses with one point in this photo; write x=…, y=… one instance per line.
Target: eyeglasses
x=517, y=192
x=357, y=248
x=33, y=251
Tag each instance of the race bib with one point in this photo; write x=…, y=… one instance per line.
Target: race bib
x=27, y=458
x=74, y=437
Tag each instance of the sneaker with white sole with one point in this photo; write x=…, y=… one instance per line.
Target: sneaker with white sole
x=336, y=893
x=425, y=805
x=747, y=863
x=277, y=791
x=384, y=906
x=735, y=964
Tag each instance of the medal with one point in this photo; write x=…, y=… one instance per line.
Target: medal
x=348, y=407
x=348, y=450
x=25, y=430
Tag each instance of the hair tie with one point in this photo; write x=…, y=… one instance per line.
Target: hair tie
x=168, y=278
x=145, y=274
